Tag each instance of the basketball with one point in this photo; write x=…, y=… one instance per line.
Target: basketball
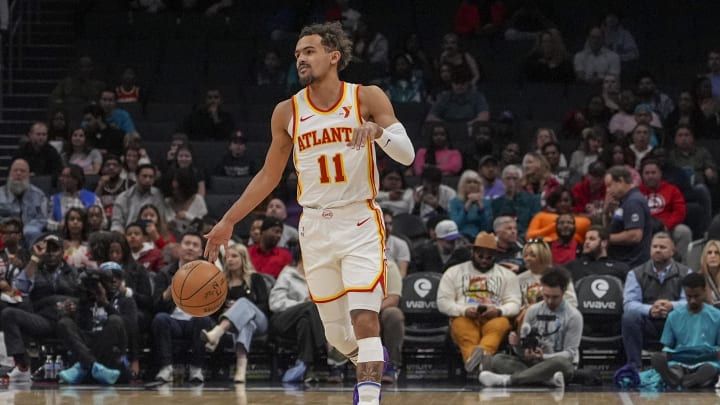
x=199, y=288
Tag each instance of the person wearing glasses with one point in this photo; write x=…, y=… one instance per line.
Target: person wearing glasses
x=479, y=296
x=547, y=349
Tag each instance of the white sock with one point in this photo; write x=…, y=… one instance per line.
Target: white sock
x=368, y=391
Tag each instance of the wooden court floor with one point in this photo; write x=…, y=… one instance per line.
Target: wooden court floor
x=228, y=395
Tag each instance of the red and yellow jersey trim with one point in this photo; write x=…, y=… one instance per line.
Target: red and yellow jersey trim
x=330, y=110
x=294, y=139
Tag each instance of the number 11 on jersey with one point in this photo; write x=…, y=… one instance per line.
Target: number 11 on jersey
x=339, y=169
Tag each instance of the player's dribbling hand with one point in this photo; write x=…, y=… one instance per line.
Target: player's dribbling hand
x=218, y=236
x=367, y=132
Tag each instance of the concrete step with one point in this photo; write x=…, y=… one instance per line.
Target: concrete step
x=31, y=86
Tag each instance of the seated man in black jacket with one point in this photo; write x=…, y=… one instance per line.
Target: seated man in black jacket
x=95, y=333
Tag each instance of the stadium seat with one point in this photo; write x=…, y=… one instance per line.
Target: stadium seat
x=694, y=253
x=44, y=183
x=600, y=301
x=410, y=226
x=228, y=185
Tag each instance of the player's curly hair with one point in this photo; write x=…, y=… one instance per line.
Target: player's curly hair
x=333, y=39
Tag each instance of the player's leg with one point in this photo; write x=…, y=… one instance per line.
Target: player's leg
x=364, y=309
x=338, y=329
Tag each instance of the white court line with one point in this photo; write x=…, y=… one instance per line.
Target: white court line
x=625, y=398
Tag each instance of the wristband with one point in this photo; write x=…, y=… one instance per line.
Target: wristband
x=34, y=259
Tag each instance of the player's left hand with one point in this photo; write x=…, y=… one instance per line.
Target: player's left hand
x=367, y=132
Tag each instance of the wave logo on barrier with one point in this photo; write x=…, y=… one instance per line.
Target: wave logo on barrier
x=422, y=287
x=599, y=287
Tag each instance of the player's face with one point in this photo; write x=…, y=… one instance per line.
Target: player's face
x=312, y=59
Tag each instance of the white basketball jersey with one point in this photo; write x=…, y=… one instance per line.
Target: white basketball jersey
x=330, y=173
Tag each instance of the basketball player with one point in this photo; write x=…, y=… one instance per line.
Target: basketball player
x=331, y=128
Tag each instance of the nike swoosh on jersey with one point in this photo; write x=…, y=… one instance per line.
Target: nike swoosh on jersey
x=303, y=119
x=361, y=223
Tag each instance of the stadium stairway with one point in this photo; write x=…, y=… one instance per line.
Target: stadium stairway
x=46, y=57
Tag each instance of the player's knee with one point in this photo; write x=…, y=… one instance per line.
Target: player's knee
x=340, y=336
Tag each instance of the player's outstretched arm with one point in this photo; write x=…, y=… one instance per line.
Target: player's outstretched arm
x=385, y=129
x=260, y=186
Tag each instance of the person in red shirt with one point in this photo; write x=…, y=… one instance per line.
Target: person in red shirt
x=565, y=248
x=666, y=204
x=590, y=192
x=266, y=256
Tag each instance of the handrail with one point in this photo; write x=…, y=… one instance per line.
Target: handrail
x=21, y=14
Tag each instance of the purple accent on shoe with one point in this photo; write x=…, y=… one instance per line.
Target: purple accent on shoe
x=386, y=359
x=356, y=394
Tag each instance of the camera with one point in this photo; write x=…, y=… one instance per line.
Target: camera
x=531, y=341
x=481, y=309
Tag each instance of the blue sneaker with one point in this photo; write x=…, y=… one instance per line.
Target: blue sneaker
x=295, y=374
x=105, y=375
x=73, y=375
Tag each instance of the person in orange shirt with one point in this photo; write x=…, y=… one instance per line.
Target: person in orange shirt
x=543, y=225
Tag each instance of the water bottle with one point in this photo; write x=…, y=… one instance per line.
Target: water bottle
x=59, y=365
x=49, y=368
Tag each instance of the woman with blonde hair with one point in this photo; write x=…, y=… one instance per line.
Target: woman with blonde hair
x=538, y=259
x=246, y=307
x=710, y=267
x=549, y=60
x=470, y=210
x=538, y=178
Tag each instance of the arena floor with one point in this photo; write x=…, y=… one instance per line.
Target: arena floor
x=228, y=394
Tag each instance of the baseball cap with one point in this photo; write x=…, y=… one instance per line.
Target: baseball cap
x=643, y=108
x=49, y=238
x=486, y=241
x=270, y=222
x=447, y=230
x=488, y=159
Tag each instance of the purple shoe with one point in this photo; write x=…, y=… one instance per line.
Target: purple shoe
x=386, y=359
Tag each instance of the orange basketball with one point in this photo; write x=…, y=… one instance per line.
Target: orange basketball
x=199, y=288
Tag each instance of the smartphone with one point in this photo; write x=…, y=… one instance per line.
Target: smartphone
x=481, y=309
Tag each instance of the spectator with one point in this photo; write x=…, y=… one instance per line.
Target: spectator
x=544, y=136
x=538, y=260
x=172, y=322
x=266, y=256
x=619, y=40
x=641, y=145
x=565, y=248
x=667, y=204
x=439, y=153
x=295, y=317
x=44, y=160
x=126, y=208
x=489, y=169
x=51, y=287
x=690, y=338
x=75, y=234
x=482, y=134
x=256, y=230
x=696, y=160
x=708, y=105
x=594, y=259
x=96, y=331
x=246, y=309
x=620, y=154
x=369, y=46
x=110, y=184
x=628, y=217
x=648, y=93
x=130, y=164
x=420, y=63
x=73, y=194
x=276, y=208
x=596, y=113
x=185, y=161
x=589, y=194
x=611, y=93
x=452, y=54
x=143, y=251
x=470, y=210
x=271, y=72
x=287, y=193
x=210, y=121
x=551, y=153
x=237, y=162
x=20, y=199
x=78, y=151
x=402, y=86
x=183, y=202
x=595, y=60
x=394, y=193
x=558, y=328
x=81, y=87
x=342, y=12
x=679, y=178
x=14, y=256
x=97, y=221
x=396, y=248
x=510, y=154
x=156, y=227
x=432, y=197
x=509, y=248
x=623, y=121
x=461, y=104
x=544, y=224
x=442, y=83
x=646, y=116
x=538, y=179
x=58, y=128
x=652, y=291
x=128, y=90
x=177, y=140
x=479, y=296
x=527, y=22
x=104, y=137
x=115, y=117
x=589, y=152
x=446, y=248
x=516, y=202
x=710, y=268
x=549, y=61
x=713, y=64
x=688, y=114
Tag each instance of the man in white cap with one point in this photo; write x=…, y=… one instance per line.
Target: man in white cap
x=479, y=296
x=448, y=247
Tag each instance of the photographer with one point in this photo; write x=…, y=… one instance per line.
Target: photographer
x=547, y=351
x=50, y=286
x=95, y=331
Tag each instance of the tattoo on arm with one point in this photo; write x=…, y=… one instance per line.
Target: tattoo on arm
x=371, y=371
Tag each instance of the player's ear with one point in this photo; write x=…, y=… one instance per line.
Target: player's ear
x=335, y=57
